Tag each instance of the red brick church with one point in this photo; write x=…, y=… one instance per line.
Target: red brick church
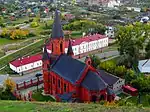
x=69, y=79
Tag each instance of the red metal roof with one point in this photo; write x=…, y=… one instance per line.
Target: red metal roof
x=26, y=60
x=130, y=88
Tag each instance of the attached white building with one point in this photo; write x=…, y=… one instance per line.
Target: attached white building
x=27, y=63
x=114, y=82
x=144, y=66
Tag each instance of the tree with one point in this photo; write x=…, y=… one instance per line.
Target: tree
x=120, y=71
x=34, y=24
x=95, y=61
x=9, y=84
x=147, y=49
x=2, y=21
x=129, y=76
x=141, y=83
x=6, y=91
x=131, y=39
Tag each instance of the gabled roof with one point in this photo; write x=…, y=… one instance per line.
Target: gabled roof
x=68, y=68
x=108, y=78
x=57, y=31
x=70, y=51
x=26, y=60
x=144, y=66
x=93, y=81
x=45, y=54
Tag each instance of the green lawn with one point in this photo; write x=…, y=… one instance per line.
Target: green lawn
x=39, y=97
x=18, y=106
x=4, y=41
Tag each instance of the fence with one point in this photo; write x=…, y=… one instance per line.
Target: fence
x=27, y=97
x=27, y=84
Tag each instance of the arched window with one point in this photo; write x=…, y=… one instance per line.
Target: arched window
x=65, y=87
x=52, y=48
x=58, y=83
x=61, y=47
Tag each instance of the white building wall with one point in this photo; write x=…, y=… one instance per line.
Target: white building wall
x=27, y=67
x=13, y=67
x=76, y=50
x=83, y=47
x=118, y=85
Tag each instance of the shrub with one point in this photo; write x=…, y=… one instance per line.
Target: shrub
x=34, y=24
x=5, y=33
x=26, y=22
x=102, y=102
x=95, y=60
x=30, y=20
x=46, y=32
x=109, y=66
x=120, y=70
x=19, y=34
x=31, y=35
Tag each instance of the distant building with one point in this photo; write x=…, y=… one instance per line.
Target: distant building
x=144, y=19
x=110, y=32
x=136, y=9
x=25, y=64
x=144, y=66
x=107, y=3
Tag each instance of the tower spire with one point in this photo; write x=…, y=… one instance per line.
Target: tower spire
x=70, y=51
x=57, y=31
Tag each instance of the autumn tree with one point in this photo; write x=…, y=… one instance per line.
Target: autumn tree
x=19, y=34
x=9, y=85
x=6, y=91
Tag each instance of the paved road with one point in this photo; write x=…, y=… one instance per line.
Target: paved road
x=105, y=54
x=19, y=79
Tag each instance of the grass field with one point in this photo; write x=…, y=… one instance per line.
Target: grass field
x=4, y=41
x=10, y=106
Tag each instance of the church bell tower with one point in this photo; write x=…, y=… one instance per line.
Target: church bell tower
x=57, y=38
